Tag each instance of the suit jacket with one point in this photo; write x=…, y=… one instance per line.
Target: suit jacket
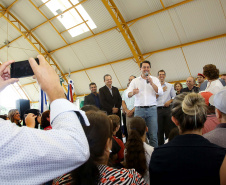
x=90, y=100
x=108, y=101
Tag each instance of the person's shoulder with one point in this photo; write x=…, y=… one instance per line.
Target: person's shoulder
x=153, y=77
x=148, y=148
x=113, y=87
x=102, y=88
x=88, y=95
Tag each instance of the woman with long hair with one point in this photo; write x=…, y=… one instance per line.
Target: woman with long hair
x=189, y=158
x=138, y=153
x=95, y=170
x=14, y=117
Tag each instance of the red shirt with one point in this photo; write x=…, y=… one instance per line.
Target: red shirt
x=121, y=151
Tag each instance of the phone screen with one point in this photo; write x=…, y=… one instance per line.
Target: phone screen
x=21, y=69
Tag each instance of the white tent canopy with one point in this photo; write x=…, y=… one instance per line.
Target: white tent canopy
x=177, y=36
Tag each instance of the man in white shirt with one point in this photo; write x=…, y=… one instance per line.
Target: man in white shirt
x=165, y=124
x=145, y=88
x=31, y=156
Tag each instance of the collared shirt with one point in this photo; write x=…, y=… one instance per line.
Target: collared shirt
x=167, y=95
x=129, y=101
x=110, y=89
x=97, y=99
x=146, y=95
x=43, y=155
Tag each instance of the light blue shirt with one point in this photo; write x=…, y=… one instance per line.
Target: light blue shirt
x=167, y=95
x=129, y=101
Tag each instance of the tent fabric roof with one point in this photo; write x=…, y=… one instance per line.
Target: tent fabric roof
x=177, y=36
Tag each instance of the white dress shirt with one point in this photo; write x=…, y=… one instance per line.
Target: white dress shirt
x=167, y=95
x=146, y=95
x=31, y=156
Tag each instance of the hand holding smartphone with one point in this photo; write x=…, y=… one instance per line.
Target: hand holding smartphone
x=21, y=69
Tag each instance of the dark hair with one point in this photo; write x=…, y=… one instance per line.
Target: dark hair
x=133, y=76
x=44, y=122
x=173, y=133
x=36, y=112
x=135, y=154
x=92, y=83
x=177, y=84
x=3, y=117
x=106, y=75
x=115, y=121
x=161, y=71
x=90, y=107
x=190, y=110
x=145, y=62
x=211, y=72
x=97, y=134
x=223, y=75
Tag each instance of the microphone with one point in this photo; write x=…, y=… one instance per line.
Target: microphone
x=146, y=74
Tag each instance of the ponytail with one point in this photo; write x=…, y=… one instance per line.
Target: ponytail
x=135, y=153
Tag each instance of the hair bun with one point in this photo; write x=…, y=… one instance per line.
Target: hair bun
x=192, y=104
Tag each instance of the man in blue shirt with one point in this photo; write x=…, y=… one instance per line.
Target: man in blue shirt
x=165, y=124
x=93, y=97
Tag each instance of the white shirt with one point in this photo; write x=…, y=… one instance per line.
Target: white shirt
x=148, y=152
x=146, y=95
x=167, y=95
x=214, y=86
x=31, y=156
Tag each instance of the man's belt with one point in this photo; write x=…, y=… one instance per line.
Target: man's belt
x=146, y=106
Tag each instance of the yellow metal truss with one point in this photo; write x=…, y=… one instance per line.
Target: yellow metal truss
x=33, y=41
x=124, y=29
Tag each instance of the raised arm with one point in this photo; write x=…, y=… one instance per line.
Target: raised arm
x=32, y=156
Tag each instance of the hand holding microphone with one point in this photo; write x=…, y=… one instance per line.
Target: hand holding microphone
x=146, y=74
x=148, y=78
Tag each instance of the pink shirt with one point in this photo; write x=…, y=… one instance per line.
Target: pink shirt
x=210, y=124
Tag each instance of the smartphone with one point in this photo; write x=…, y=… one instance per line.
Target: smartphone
x=22, y=69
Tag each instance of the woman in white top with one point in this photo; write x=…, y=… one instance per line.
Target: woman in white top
x=212, y=74
x=138, y=153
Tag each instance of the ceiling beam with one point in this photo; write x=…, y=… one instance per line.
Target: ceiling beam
x=153, y=52
x=129, y=22
x=33, y=41
x=124, y=29
x=8, y=8
x=57, y=15
x=49, y=21
x=147, y=54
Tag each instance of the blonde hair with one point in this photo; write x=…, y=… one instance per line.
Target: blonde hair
x=11, y=114
x=190, y=110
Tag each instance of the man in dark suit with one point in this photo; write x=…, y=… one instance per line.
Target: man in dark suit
x=110, y=99
x=93, y=97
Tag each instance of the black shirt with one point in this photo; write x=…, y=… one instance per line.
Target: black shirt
x=188, y=159
x=194, y=89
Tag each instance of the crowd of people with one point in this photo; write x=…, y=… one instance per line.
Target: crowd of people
x=165, y=134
